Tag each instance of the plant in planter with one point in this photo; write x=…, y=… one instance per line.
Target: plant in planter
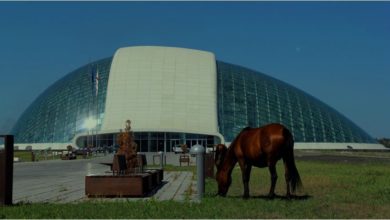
x=128, y=148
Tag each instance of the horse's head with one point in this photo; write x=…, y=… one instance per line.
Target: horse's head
x=223, y=177
x=224, y=181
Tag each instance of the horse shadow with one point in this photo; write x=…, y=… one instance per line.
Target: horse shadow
x=280, y=197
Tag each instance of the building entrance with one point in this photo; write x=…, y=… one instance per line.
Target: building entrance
x=192, y=142
x=150, y=141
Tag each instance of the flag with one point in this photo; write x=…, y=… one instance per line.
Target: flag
x=97, y=82
x=92, y=79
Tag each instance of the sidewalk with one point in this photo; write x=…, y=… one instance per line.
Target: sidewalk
x=63, y=181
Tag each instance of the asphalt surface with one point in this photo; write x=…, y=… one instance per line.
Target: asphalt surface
x=342, y=157
x=63, y=181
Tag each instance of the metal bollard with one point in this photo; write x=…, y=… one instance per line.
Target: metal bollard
x=161, y=159
x=199, y=151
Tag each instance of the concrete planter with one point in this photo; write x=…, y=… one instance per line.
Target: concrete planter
x=132, y=185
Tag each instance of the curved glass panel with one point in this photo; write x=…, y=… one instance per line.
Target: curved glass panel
x=249, y=98
x=245, y=98
x=61, y=110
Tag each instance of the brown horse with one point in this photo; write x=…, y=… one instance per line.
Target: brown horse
x=260, y=147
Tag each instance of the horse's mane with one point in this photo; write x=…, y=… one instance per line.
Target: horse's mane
x=238, y=136
x=230, y=150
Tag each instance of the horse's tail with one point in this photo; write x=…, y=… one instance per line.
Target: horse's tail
x=288, y=158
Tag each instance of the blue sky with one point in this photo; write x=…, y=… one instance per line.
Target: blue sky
x=339, y=52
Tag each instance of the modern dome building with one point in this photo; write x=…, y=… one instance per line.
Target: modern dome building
x=174, y=96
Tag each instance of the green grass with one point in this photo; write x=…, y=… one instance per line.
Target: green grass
x=331, y=190
x=23, y=155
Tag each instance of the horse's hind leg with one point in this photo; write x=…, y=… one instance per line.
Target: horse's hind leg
x=246, y=172
x=274, y=177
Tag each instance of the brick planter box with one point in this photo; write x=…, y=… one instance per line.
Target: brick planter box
x=133, y=185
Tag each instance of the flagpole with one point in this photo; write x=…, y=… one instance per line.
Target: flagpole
x=97, y=105
x=89, y=106
x=93, y=98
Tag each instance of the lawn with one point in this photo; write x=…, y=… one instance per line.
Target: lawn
x=331, y=190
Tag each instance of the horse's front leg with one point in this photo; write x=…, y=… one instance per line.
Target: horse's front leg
x=246, y=173
x=274, y=177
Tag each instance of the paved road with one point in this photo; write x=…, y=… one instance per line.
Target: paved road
x=342, y=157
x=64, y=181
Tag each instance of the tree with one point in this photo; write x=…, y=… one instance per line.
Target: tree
x=384, y=141
x=127, y=146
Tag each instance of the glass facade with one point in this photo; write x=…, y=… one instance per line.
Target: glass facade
x=249, y=98
x=150, y=141
x=62, y=110
x=245, y=98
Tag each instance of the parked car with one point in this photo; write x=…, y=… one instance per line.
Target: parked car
x=83, y=151
x=177, y=149
x=180, y=148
